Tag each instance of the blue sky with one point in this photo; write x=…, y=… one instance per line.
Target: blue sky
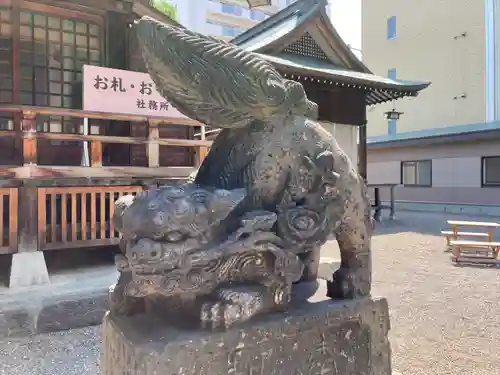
x=346, y=17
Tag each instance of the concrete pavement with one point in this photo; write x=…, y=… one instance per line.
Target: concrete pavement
x=74, y=299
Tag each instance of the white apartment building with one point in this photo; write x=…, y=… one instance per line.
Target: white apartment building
x=223, y=18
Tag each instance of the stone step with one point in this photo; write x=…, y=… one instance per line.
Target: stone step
x=73, y=300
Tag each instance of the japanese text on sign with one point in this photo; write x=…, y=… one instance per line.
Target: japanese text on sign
x=125, y=92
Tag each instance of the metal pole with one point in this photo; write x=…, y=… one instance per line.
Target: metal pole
x=85, y=155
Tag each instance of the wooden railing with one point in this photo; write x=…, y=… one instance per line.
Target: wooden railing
x=78, y=216
x=25, y=121
x=9, y=205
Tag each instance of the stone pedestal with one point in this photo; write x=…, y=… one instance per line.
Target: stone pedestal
x=28, y=269
x=316, y=336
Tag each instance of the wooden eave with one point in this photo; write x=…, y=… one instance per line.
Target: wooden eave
x=377, y=89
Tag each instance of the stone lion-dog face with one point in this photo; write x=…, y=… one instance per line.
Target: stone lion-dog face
x=164, y=229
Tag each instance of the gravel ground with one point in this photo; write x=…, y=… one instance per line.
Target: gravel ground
x=74, y=352
x=445, y=319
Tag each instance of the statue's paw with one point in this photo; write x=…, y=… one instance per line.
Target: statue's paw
x=122, y=263
x=349, y=283
x=119, y=303
x=238, y=304
x=219, y=314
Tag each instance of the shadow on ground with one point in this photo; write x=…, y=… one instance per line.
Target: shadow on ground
x=66, y=261
x=423, y=222
x=69, y=259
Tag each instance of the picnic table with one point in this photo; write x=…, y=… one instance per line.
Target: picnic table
x=483, y=251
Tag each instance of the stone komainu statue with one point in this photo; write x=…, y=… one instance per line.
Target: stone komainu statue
x=274, y=186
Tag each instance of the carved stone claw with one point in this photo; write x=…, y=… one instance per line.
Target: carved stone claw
x=219, y=314
x=234, y=305
x=122, y=263
x=349, y=283
x=121, y=304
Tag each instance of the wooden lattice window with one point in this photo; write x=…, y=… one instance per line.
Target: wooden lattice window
x=6, y=84
x=52, y=53
x=5, y=55
x=306, y=46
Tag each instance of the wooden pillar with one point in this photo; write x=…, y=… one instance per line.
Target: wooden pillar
x=138, y=152
x=18, y=128
x=30, y=153
x=202, y=151
x=362, y=153
x=28, y=218
x=201, y=154
x=153, y=145
x=96, y=154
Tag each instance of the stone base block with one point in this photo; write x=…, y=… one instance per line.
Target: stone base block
x=28, y=269
x=316, y=336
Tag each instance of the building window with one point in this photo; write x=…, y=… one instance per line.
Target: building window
x=235, y=10
x=391, y=73
x=391, y=28
x=257, y=15
x=491, y=171
x=391, y=127
x=416, y=173
x=231, y=31
x=228, y=31
x=53, y=51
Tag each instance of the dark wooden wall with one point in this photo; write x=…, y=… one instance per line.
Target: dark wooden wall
x=338, y=104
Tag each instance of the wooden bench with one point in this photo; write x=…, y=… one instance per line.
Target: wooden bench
x=450, y=235
x=474, y=251
x=476, y=260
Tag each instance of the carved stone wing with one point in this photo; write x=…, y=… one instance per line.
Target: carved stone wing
x=214, y=82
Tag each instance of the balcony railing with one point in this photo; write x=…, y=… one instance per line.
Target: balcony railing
x=25, y=128
x=78, y=216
